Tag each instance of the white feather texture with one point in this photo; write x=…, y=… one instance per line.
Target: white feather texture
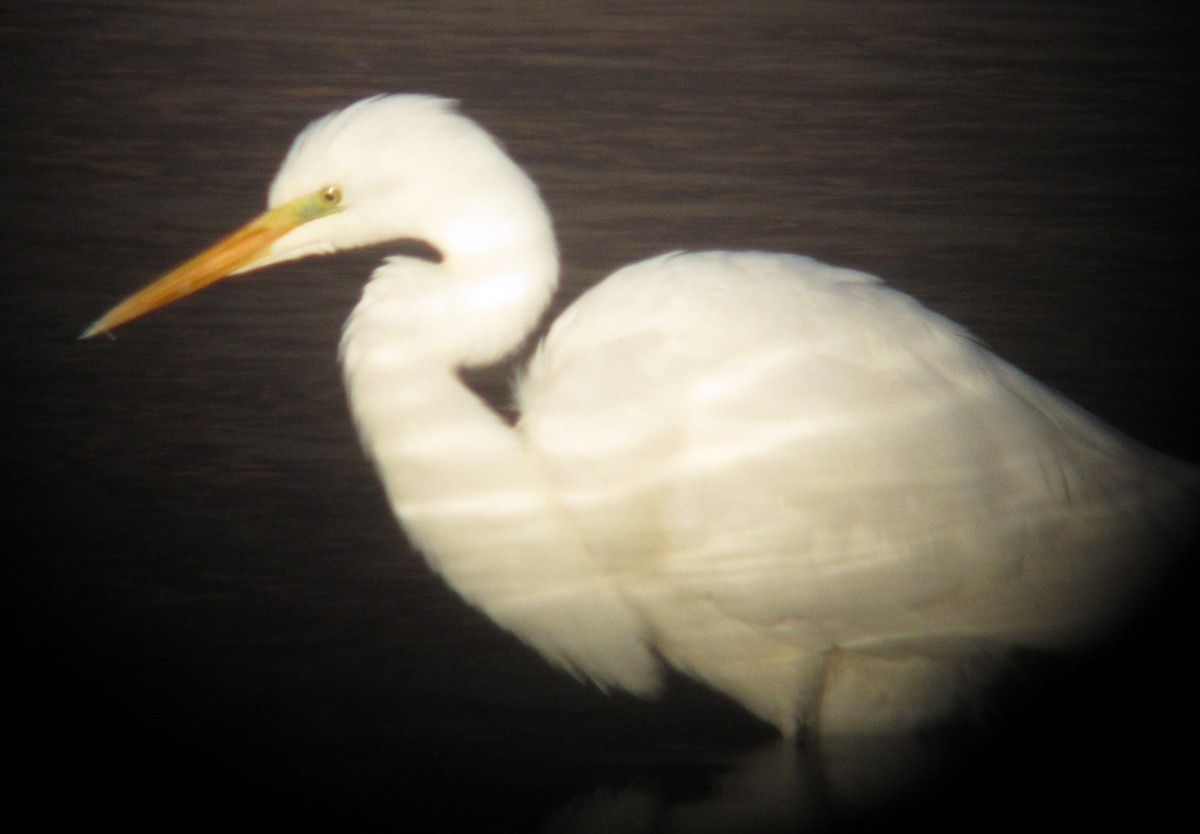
x=780, y=477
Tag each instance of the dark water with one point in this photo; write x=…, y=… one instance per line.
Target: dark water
x=209, y=612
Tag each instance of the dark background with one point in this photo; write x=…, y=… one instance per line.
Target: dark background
x=209, y=613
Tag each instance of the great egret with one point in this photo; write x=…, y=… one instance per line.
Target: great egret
x=781, y=477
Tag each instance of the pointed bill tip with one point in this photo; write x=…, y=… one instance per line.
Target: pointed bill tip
x=92, y=329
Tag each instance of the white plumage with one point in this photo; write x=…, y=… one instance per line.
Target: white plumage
x=780, y=477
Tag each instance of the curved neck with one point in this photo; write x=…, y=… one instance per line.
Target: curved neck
x=474, y=307
x=469, y=491
x=440, y=450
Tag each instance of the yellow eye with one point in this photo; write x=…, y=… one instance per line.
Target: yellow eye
x=331, y=195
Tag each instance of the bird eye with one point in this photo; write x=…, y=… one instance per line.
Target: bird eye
x=331, y=195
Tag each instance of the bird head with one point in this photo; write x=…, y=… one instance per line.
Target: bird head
x=384, y=168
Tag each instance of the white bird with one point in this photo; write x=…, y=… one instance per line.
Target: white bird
x=780, y=477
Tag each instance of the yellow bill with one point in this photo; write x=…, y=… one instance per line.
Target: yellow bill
x=228, y=255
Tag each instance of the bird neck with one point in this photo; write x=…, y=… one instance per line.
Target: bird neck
x=439, y=448
x=497, y=273
x=470, y=493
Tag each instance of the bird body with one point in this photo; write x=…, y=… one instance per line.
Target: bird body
x=801, y=460
x=778, y=476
